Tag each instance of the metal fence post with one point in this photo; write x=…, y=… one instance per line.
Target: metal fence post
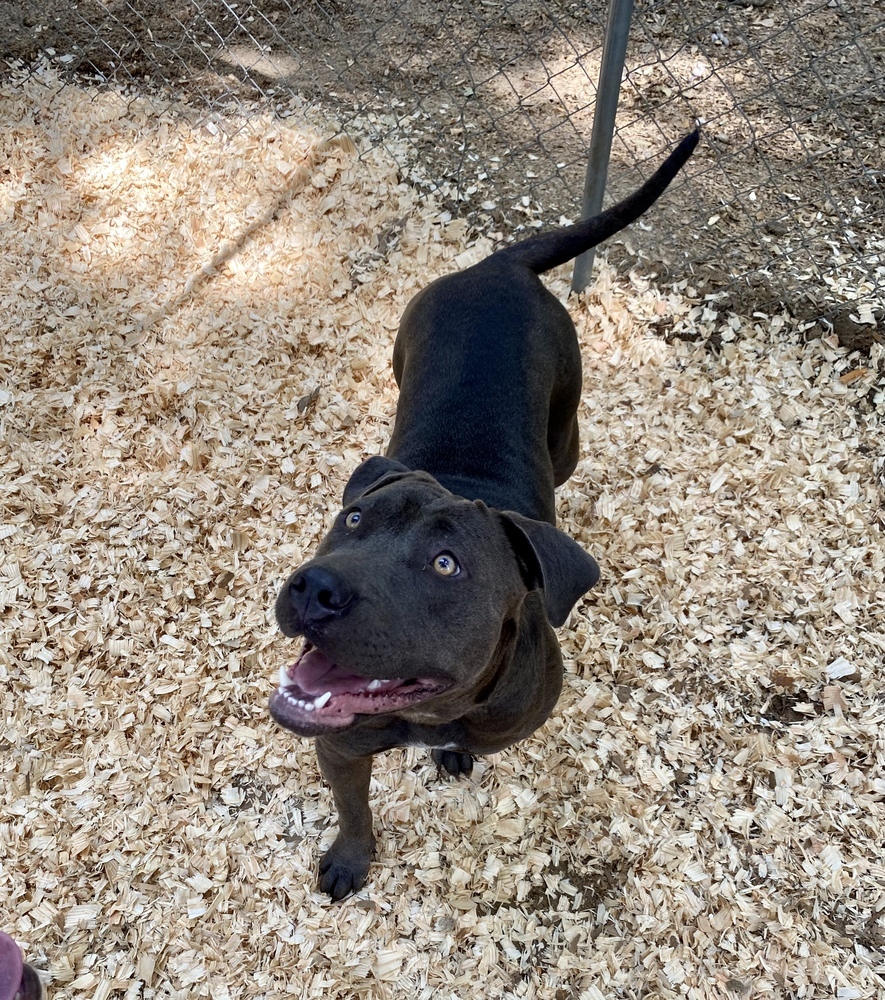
x=611, y=69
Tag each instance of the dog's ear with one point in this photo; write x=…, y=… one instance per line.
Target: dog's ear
x=551, y=562
x=369, y=474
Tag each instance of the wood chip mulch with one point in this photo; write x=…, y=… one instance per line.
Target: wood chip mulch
x=195, y=334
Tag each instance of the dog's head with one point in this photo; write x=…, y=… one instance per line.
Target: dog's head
x=409, y=599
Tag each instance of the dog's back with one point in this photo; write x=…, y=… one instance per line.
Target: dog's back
x=489, y=368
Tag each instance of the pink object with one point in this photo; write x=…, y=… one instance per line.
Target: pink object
x=17, y=978
x=10, y=967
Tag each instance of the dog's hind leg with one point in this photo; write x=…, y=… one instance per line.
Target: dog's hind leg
x=565, y=449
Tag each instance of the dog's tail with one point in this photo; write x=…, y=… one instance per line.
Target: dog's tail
x=540, y=253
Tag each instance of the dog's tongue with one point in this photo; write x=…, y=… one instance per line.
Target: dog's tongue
x=315, y=675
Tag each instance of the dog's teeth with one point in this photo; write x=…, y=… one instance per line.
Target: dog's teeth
x=309, y=706
x=374, y=685
x=323, y=698
x=285, y=679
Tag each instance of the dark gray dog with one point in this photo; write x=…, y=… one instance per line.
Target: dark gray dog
x=427, y=611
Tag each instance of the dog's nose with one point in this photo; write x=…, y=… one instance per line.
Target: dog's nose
x=317, y=593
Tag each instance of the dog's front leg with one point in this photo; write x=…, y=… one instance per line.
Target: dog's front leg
x=343, y=868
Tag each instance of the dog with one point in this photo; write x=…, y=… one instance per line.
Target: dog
x=428, y=610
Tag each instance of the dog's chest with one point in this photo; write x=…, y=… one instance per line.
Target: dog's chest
x=435, y=746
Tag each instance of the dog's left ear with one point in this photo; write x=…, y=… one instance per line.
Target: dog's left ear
x=369, y=474
x=552, y=562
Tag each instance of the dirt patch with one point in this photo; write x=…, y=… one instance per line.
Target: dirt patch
x=583, y=890
x=491, y=105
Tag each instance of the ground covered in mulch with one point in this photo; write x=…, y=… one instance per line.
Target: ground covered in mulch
x=196, y=334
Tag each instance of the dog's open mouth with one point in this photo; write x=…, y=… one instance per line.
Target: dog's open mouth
x=315, y=695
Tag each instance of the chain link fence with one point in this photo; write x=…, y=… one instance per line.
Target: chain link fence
x=490, y=104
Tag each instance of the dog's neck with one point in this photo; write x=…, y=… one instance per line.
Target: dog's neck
x=500, y=489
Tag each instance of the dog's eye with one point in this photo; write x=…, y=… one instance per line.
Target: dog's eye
x=446, y=564
x=353, y=519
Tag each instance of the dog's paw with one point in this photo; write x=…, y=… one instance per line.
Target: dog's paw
x=343, y=869
x=456, y=762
